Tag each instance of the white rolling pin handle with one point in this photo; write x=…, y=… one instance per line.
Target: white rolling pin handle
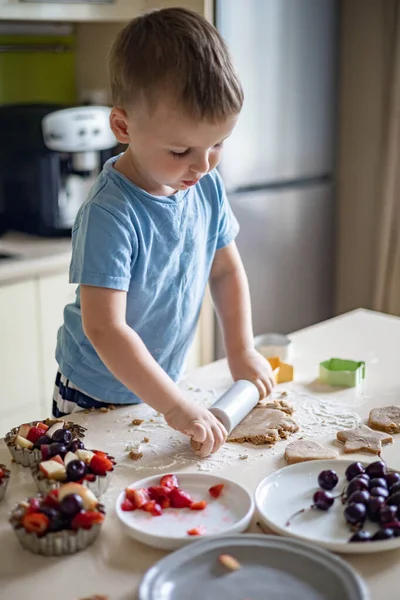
x=235, y=404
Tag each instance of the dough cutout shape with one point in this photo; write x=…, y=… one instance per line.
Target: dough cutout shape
x=363, y=438
x=263, y=426
x=305, y=450
x=385, y=419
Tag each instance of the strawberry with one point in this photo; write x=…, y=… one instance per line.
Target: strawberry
x=35, y=433
x=180, y=499
x=58, y=459
x=164, y=502
x=42, y=426
x=170, y=481
x=216, y=490
x=153, y=508
x=100, y=453
x=197, y=530
x=137, y=497
x=127, y=505
x=1, y=473
x=52, y=498
x=157, y=492
x=86, y=518
x=100, y=464
x=198, y=505
x=35, y=523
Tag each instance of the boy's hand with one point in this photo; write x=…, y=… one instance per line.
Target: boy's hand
x=252, y=366
x=198, y=423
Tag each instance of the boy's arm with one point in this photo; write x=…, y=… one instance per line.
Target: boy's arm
x=125, y=355
x=231, y=297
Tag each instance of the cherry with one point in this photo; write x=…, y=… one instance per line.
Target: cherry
x=395, y=488
x=361, y=536
x=353, y=470
x=374, y=506
x=376, y=469
x=328, y=479
x=356, y=485
x=392, y=479
x=379, y=491
x=355, y=514
x=387, y=514
x=383, y=534
x=378, y=482
x=360, y=497
x=322, y=500
x=394, y=499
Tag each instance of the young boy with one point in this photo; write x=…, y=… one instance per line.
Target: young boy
x=157, y=226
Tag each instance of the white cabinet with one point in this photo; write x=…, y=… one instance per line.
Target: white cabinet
x=54, y=293
x=20, y=373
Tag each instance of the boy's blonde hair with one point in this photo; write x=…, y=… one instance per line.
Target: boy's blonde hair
x=175, y=50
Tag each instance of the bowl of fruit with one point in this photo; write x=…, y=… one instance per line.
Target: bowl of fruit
x=4, y=479
x=344, y=506
x=33, y=442
x=64, y=521
x=91, y=468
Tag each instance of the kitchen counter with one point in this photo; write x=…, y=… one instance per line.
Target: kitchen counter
x=115, y=564
x=32, y=256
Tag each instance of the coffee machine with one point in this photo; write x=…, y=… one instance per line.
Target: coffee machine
x=49, y=158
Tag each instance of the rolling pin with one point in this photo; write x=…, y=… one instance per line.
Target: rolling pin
x=233, y=406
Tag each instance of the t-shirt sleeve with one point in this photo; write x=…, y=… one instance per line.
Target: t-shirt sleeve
x=228, y=226
x=102, y=249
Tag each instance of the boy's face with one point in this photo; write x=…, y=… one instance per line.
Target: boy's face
x=168, y=150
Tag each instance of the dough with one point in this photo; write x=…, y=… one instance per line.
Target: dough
x=279, y=404
x=263, y=426
x=304, y=450
x=363, y=438
x=385, y=419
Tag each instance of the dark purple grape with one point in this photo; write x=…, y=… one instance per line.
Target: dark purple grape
x=76, y=445
x=76, y=469
x=323, y=500
x=394, y=499
x=328, y=479
x=70, y=505
x=361, y=536
x=356, y=485
x=383, y=534
x=392, y=478
x=378, y=482
x=353, y=470
x=63, y=436
x=57, y=448
x=361, y=497
x=355, y=514
x=379, y=491
x=42, y=440
x=395, y=488
x=376, y=469
x=58, y=522
x=50, y=512
x=387, y=514
x=374, y=506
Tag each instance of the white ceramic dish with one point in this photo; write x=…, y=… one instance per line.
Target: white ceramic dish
x=290, y=489
x=230, y=513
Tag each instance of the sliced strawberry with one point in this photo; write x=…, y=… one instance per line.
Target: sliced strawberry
x=170, y=481
x=197, y=530
x=127, y=505
x=42, y=426
x=101, y=453
x=90, y=477
x=137, y=497
x=1, y=473
x=157, y=492
x=216, y=490
x=201, y=505
x=157, y=510
x=35, y=523
x=180, y=499
x=153, y=508
x=35, y=433
x=58, y=459
x=100, y=464
x=164, y=502
x=86, y=518
x=52, y=498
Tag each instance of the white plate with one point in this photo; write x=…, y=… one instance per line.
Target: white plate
x=230, y=513
x=290, y=489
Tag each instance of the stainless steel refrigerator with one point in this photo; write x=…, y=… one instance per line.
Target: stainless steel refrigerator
x=278, y=164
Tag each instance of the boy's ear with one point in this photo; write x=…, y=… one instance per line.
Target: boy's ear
x=119, y=124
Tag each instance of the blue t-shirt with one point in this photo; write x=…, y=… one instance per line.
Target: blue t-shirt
x=158, y=249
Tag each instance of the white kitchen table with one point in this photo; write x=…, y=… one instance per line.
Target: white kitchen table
x=115, y=564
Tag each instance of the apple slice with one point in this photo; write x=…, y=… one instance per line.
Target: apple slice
x=57, y=458
x=51, y=431
x=53, y=470
x=85, y=455
x=69, y=457
x=24, y=431
x=88, y=498
x=23, y=443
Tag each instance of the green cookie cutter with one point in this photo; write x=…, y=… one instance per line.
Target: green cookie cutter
x=341, y=372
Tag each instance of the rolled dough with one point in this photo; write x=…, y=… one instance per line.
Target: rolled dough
x=263, y=425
